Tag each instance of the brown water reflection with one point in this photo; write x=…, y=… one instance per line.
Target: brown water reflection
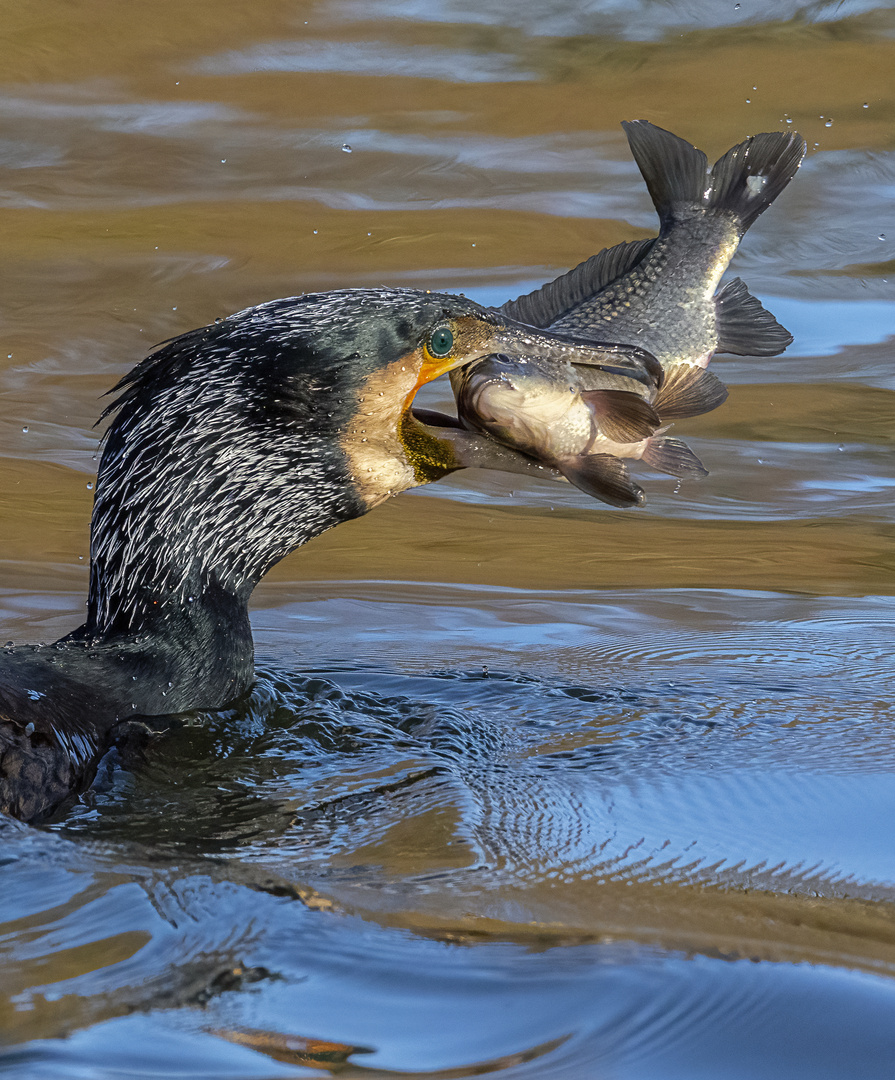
x=527, y=786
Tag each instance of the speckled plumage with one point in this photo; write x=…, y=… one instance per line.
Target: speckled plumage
x=229, y=447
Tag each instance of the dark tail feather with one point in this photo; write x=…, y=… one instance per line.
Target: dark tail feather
x=745, y=181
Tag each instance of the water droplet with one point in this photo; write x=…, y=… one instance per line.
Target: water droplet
x=90, y=486
x=346, y=148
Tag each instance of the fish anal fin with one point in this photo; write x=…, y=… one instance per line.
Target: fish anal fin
x=688, y=390
x=604, y=477
x=674, y=457
x=744, y=326
x=622, y=416
x=546, y=305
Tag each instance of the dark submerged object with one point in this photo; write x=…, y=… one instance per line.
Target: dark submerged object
x=231, y=446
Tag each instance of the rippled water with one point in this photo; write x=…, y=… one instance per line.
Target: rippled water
x=526, y=785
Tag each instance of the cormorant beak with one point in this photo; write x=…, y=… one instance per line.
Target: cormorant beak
x=518, y=340
x=476, y=338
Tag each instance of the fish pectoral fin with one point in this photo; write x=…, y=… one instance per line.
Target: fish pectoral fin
x=622, y=416
x=744, y=326
x=674, y=457
x=604, y=477
x=688, y=390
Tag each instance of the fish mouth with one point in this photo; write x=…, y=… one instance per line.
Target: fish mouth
x=524, y=342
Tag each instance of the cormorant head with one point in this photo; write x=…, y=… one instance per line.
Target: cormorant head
x=233, y=444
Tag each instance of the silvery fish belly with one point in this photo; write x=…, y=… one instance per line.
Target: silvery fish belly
x=582, y=420
x=658, y=294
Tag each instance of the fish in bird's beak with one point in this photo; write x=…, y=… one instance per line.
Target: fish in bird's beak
x=463, y=340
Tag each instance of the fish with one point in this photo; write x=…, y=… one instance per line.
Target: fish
x=655, y=297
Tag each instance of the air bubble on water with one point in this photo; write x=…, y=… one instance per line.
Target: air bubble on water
x=315, y=232
x=223, y=161
x=677, y=487
x=840, y=448
x=882, y=236
x=25, y=430
x=346, y=148
x=865, y=105
x=748, y=101
x=90, y=486
x=829, y=123
x=736, y=7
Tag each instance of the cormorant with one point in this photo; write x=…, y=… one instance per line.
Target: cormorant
x=229, y=447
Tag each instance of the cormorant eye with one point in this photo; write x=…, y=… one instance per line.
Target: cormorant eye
x=441, y=342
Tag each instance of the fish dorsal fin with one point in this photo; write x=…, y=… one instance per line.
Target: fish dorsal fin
x=622, y=416
x=674, y=170
x=688, y=390
x=604, y=477
x=546, y=305
x=674, y=457
x=744, y=326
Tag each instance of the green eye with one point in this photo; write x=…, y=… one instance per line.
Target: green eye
x=441, y=342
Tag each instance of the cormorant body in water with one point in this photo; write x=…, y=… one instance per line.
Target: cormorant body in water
x=231, y=446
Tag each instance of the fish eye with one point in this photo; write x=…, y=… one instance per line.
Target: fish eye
x=441, y=342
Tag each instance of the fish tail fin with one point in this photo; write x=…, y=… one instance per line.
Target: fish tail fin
x=603, y=477
x=673, y=169
x=673, y=456
x=748, y=178
x=744, y=326
x=688, y=390
x=745, y=181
